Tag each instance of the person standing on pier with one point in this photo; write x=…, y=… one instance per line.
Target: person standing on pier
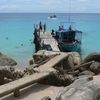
x=40, y=26
x=37, y=43
x=44, y=26
x=36, y=39
x=70, y=28
x=59, y=28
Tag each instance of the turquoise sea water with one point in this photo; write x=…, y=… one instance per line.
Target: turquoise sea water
x=16, y=32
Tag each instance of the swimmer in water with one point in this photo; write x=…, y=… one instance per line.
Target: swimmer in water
x=21, y=44
x=6, y=38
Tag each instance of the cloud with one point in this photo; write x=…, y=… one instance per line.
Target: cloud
x=49, y=2
x=49, y=5
x=83, y=0
x=5, y=7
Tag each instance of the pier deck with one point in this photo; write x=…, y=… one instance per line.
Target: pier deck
x=47, y=39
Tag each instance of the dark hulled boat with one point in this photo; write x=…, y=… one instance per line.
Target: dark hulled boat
x=69, y=40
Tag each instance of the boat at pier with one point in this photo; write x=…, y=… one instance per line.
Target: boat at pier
x=69, y=40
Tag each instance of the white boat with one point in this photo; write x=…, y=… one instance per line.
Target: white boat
x=52, y=17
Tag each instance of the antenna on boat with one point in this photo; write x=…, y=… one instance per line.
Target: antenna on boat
x=69, y=13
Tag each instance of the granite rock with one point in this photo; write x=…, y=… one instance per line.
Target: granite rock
x=81, y=89
x=6, y=61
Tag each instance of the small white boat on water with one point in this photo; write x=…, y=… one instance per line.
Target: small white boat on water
x=52, y=17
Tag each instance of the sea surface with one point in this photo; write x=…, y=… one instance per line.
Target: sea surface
x=16, y=32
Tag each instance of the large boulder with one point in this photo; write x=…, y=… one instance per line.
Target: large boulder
x=6, y=61
x=9, y=73
x=43, y=55
x=95, y=67
x=86, y=72
x=58, y=79
x=76, y=57
x=83, y=88
x=92, y=57
x=72, y=61
x=6, y=72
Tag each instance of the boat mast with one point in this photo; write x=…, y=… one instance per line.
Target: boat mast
x=69, y=13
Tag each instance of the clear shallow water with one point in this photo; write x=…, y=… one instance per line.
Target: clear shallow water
x=16, y=32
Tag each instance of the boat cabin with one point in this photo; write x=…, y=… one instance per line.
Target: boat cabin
x=69, y=40
x=65, y=36
x=68, y=36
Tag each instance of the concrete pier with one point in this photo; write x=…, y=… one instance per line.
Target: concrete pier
x=48, y=41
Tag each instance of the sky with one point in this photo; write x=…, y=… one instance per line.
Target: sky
x=64, y=6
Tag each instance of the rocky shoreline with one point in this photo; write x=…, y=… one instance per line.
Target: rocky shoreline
x=71, y=72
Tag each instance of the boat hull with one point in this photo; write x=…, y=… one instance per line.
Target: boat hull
x=72, y=47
